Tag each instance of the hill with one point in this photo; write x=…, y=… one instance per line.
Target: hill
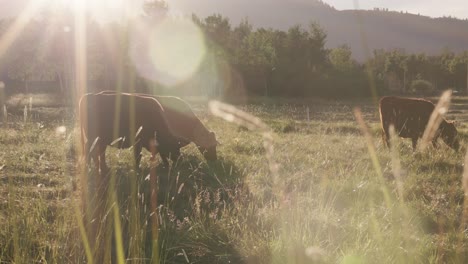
x=381, y=29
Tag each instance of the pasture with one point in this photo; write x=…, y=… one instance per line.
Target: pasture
x=328, y=204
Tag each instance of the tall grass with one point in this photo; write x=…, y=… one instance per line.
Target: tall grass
x=5, y=116
x=338, y=195
x=436, y=118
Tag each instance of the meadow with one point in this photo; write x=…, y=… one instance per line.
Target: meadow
x=325, y=201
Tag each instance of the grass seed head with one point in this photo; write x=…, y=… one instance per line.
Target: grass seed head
x=436, y=119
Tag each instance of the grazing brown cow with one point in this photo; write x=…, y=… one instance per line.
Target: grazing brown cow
x=185, y=125
x=135, y=120
x=410, y=117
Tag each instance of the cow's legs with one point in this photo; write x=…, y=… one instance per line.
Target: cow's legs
x=164, y=152
x=385, y=139
x=175, y=154
x=86, y=156
x=101, y=150
x=97, y=195
x=164, y=156
x=137, y=152
x=434, y=141
x=93, y=156
x=386, y=134
x=415, y=142
x=92, y=153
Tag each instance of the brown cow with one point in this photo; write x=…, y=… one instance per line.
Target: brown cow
x=185, y=125
x=135, y=120
x=410, y=117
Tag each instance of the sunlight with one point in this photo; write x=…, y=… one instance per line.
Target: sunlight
x=103, y=10
x=77, y=5
x=17, y=27
x=80, y=49
x=169, y=52
x=61, y=130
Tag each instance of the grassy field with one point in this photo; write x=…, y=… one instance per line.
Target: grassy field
x=328, y=204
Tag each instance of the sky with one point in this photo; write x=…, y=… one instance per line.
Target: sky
x=433, y=8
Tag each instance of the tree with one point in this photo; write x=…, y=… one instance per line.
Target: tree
x=239, y=42
x=27, y=61
x=340, y=58
x=395, y=66
x=443, y=73
x=218, y=33
x=377, y=64
x=260, y=55
x=414, y=66
x=348, y=78
x=458, y=67
x=317, y=54
x=243, y=30
x=155, y=8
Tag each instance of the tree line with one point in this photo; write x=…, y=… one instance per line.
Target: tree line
x=267, y=62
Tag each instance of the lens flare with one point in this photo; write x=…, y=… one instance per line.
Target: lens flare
x=169, y=52
x=60, y=131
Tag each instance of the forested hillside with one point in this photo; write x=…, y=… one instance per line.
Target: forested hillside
x=383, y=29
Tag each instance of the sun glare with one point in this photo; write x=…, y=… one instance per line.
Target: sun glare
x=168, y=51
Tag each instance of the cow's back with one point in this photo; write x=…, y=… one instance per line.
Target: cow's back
x=409, y=115
x=181, y=119
x=111, y=116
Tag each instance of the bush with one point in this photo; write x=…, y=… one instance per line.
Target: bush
x=422, y=87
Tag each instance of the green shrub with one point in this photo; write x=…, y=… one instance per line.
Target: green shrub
x=422, y=87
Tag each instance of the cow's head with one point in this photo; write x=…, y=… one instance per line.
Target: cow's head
x=208, y=145
x=449, y=135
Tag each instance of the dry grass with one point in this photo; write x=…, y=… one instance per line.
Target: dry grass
x=345, y=197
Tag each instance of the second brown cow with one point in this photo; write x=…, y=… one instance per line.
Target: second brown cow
x=410, y=117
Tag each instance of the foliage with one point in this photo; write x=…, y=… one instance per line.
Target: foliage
x=422, y=87
x=155, y=8
x=253, y=61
